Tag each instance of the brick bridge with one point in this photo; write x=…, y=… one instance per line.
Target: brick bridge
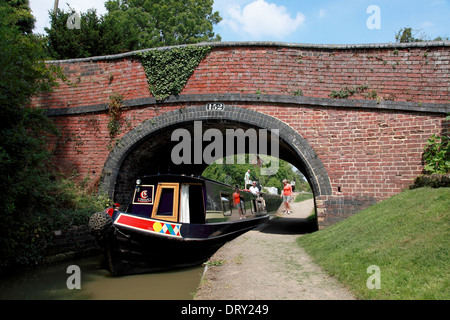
x=353, y=118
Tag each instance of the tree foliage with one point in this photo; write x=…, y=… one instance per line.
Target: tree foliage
x=32, y=200
x=233, y=174
x=131, y=25
x=408, y=35
x=23, y=73
x=155, y=23
x=92, y=39
x=23, y=156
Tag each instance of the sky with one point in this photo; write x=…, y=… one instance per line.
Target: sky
x=304, y=21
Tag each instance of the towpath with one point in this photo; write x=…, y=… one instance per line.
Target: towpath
x=267, y=264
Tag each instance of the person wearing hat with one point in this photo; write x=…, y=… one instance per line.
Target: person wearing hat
x=286, y=194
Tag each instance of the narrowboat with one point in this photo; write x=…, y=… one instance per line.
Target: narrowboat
x=176, y=221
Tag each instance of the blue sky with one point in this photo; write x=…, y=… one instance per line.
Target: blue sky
x=302, y=21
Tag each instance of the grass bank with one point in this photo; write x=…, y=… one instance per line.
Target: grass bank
x=303, y=196
x=406, y=236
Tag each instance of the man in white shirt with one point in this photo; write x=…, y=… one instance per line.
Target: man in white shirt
x=259, y=199
x=254, y=189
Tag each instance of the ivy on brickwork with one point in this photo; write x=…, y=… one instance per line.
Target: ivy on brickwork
x=169, y=70
x=115, y=113
x=348, y=92
x=436, y=155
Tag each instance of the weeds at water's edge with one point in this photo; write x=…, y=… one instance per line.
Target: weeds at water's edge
x=214, y=263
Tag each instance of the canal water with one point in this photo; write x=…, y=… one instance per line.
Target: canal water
x=50, y=283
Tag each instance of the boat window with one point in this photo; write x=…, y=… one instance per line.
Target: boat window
x=166, y=202
x=165, y=207
x=227, y=203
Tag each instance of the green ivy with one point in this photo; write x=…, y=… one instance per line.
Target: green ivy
x=348, y=92
x=115, y=112
x=436, y=155
x=169, y=70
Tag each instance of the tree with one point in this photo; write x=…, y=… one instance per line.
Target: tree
x=68, y=43
x=17, y=13
x=155, y=23
x=132, y=25
x=34, y=200
x=23, y=154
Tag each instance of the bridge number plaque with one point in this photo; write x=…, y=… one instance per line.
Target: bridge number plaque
x=215, y=106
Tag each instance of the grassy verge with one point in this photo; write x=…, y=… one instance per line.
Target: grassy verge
x=406, y=236
x=303, y=196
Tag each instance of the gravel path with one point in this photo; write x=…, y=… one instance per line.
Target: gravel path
x=267, y=264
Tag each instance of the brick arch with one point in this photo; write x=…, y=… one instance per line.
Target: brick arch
x=293, y=147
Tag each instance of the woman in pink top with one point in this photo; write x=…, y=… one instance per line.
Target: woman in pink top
x=287, y=196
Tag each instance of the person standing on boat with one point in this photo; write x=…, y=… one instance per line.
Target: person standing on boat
x=247, y=179
x=287, y=196
x=238, y=203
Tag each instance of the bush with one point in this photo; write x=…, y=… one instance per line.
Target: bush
x=436, y=155
x=27, y=234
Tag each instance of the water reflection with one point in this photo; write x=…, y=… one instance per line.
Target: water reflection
x=49, y=283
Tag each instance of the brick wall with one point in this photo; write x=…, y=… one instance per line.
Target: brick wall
x=93, y=82
x=76, y=241
x=405, y=74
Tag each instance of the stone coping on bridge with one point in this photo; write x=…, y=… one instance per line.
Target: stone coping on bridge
x=307, y=46
x=262, y=98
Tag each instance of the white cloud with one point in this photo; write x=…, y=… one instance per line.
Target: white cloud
x=261, y=19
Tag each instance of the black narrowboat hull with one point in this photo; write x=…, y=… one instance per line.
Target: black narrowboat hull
x=176, y=221
x=131, y=250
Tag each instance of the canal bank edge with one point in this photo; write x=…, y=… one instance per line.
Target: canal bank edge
x=73, y=243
